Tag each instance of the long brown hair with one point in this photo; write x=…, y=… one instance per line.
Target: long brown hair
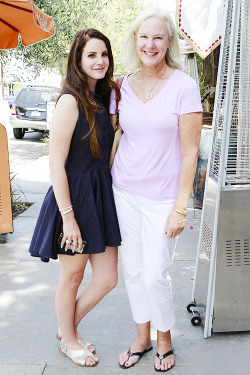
x=76, y=82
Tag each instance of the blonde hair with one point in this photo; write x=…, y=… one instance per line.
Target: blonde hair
x=173, y=54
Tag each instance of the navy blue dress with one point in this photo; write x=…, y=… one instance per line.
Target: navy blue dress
x=91, y=194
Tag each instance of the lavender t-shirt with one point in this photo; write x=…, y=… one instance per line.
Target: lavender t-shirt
x=148, y=159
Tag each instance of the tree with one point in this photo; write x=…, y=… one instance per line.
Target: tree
x=70, y=16
x=4, y=60
x=114, y=22
x=111, y=17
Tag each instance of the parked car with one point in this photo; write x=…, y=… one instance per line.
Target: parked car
x=12, y=97
x=29, y=110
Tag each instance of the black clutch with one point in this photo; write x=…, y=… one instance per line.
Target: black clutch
x=84, y=243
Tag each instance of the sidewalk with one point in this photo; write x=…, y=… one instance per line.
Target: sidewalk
x=28, y=322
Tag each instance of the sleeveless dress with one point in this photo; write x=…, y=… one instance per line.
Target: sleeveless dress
x=90, y=186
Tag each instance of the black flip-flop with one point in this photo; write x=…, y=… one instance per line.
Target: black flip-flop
x=139, y=354
x=161, y=357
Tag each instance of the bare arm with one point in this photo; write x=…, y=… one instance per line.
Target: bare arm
x=190, y=130
x=62, y=127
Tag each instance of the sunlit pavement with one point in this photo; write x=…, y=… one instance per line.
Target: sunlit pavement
x=21, y=151
x=27, y=290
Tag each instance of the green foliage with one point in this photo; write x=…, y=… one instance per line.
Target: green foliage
x=16, y=198
x=202, y=79
x=114, y=22
x=17, y=85
x=4, y=59
x=45, y=140
x=4, y=56
x=110, y=17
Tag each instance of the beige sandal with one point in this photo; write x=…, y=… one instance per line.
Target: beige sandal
x=85, y=344
x=77, y=356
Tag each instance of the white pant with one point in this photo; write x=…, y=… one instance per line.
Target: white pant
x=146, y=254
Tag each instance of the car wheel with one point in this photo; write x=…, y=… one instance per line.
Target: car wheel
x=18, y=133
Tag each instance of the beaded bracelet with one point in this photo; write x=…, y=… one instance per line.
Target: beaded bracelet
x=180, y=212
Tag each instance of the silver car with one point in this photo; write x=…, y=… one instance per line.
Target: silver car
x=29, y=110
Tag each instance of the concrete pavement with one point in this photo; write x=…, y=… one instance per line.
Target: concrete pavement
x=28, y=322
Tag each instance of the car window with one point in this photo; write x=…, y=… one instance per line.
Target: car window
x=36, y=97
x=25, y=98
x=48, y=96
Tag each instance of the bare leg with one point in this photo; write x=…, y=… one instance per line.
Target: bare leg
x=143, y=342
x=164, y=345
x=104, y=279
x=71, y=274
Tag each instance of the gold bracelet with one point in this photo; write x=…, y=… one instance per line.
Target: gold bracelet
x=180, y=212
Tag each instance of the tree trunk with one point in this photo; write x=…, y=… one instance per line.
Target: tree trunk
x=2, y=81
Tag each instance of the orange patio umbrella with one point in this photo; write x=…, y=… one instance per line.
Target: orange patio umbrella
x=24, y=18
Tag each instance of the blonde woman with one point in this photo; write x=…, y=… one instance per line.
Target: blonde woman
x=153, y=171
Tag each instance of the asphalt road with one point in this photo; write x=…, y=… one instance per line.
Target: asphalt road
x=22, y=151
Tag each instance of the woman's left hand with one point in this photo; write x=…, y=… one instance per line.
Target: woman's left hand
x=174, y=225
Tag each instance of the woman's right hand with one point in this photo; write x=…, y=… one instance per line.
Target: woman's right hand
x=71, y=233
x=174, y=225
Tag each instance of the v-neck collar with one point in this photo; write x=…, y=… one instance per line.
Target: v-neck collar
x=149, y=101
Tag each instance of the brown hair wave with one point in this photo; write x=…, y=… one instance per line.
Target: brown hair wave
x=76, y=82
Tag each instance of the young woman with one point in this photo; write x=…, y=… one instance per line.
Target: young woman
x=80, y=203
x=153, y=172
